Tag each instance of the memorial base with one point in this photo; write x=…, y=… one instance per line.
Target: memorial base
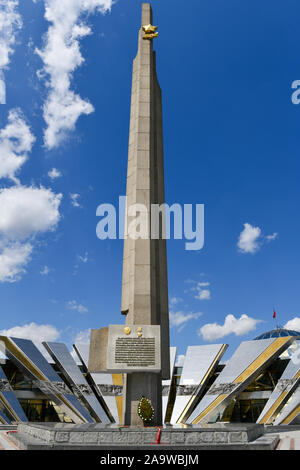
x=220, y=436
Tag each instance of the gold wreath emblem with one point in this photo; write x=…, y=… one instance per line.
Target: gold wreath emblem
x=127, y=330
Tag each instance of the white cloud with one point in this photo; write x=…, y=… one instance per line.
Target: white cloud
x=248, y=239
x=61, y=56
x=45, y=271
x=83, y=337
x=200, y=288
x=74, y=305
x=24, y=213
x=16, y=140
x=74, y=200
x=85, y=258
x=202, y=294
x=175, y=300
x=272, y=237
x=293, y=324
x=179, y=319
x=54, y=173
x=2, y=90
x=13, y=259
x=10, y=22
x=34, y=332
x=251, y=239
x=180, y=360
x=238, y=326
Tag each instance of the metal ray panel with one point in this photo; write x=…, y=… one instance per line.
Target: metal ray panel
x=166, y=384
x=4, y=419
x=30, y=360
x=199, y=363
x=83, y=350
x=291, y=410
x=9, y=399
x=32, y=352
x=248, y=361
x=109, y=386
x=285, y=386
x=71, y=372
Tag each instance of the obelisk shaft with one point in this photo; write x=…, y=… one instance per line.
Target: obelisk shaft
x=145, y=285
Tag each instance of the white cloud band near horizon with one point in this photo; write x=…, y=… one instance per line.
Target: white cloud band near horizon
x=34, y=332
x=61, y=56
x=83, y=337
x=238, y=326
x=293, y=324
x=38, y=333
x=180, y=360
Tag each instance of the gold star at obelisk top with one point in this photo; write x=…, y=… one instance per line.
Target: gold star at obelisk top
x=150, y=31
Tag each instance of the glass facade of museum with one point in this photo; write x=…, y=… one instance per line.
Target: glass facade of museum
x=35, y=405
x=243, y=409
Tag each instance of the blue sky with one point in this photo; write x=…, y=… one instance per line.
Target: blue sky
x=231, y=137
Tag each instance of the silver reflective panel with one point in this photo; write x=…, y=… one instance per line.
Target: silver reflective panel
x=110, y=393
x=32, y=352
x=291, y=410
x=83, y=350
x=30, y=360
x=199, y=363
x=102, y=381
x=166, y=384
x=9, y=399
x=74, y=377
x=239, y=371
x=285, y=386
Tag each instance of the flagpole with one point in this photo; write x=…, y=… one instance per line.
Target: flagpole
x=274, y=316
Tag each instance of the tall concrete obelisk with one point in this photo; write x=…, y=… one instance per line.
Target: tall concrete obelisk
x=145, y=284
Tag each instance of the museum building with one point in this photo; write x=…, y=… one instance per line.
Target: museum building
x=260, y=383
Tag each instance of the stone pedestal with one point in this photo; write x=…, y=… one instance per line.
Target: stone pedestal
x=220, y=436
x=138, y=385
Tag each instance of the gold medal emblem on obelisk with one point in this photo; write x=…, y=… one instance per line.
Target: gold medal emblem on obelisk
x=150, y=31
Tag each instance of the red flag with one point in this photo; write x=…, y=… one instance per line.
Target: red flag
x=274, y=314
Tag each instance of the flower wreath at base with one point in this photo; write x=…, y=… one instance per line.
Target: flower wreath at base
x=145, y=410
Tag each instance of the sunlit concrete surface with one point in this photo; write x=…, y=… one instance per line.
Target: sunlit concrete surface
x=289, y=440
x=6, y=443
